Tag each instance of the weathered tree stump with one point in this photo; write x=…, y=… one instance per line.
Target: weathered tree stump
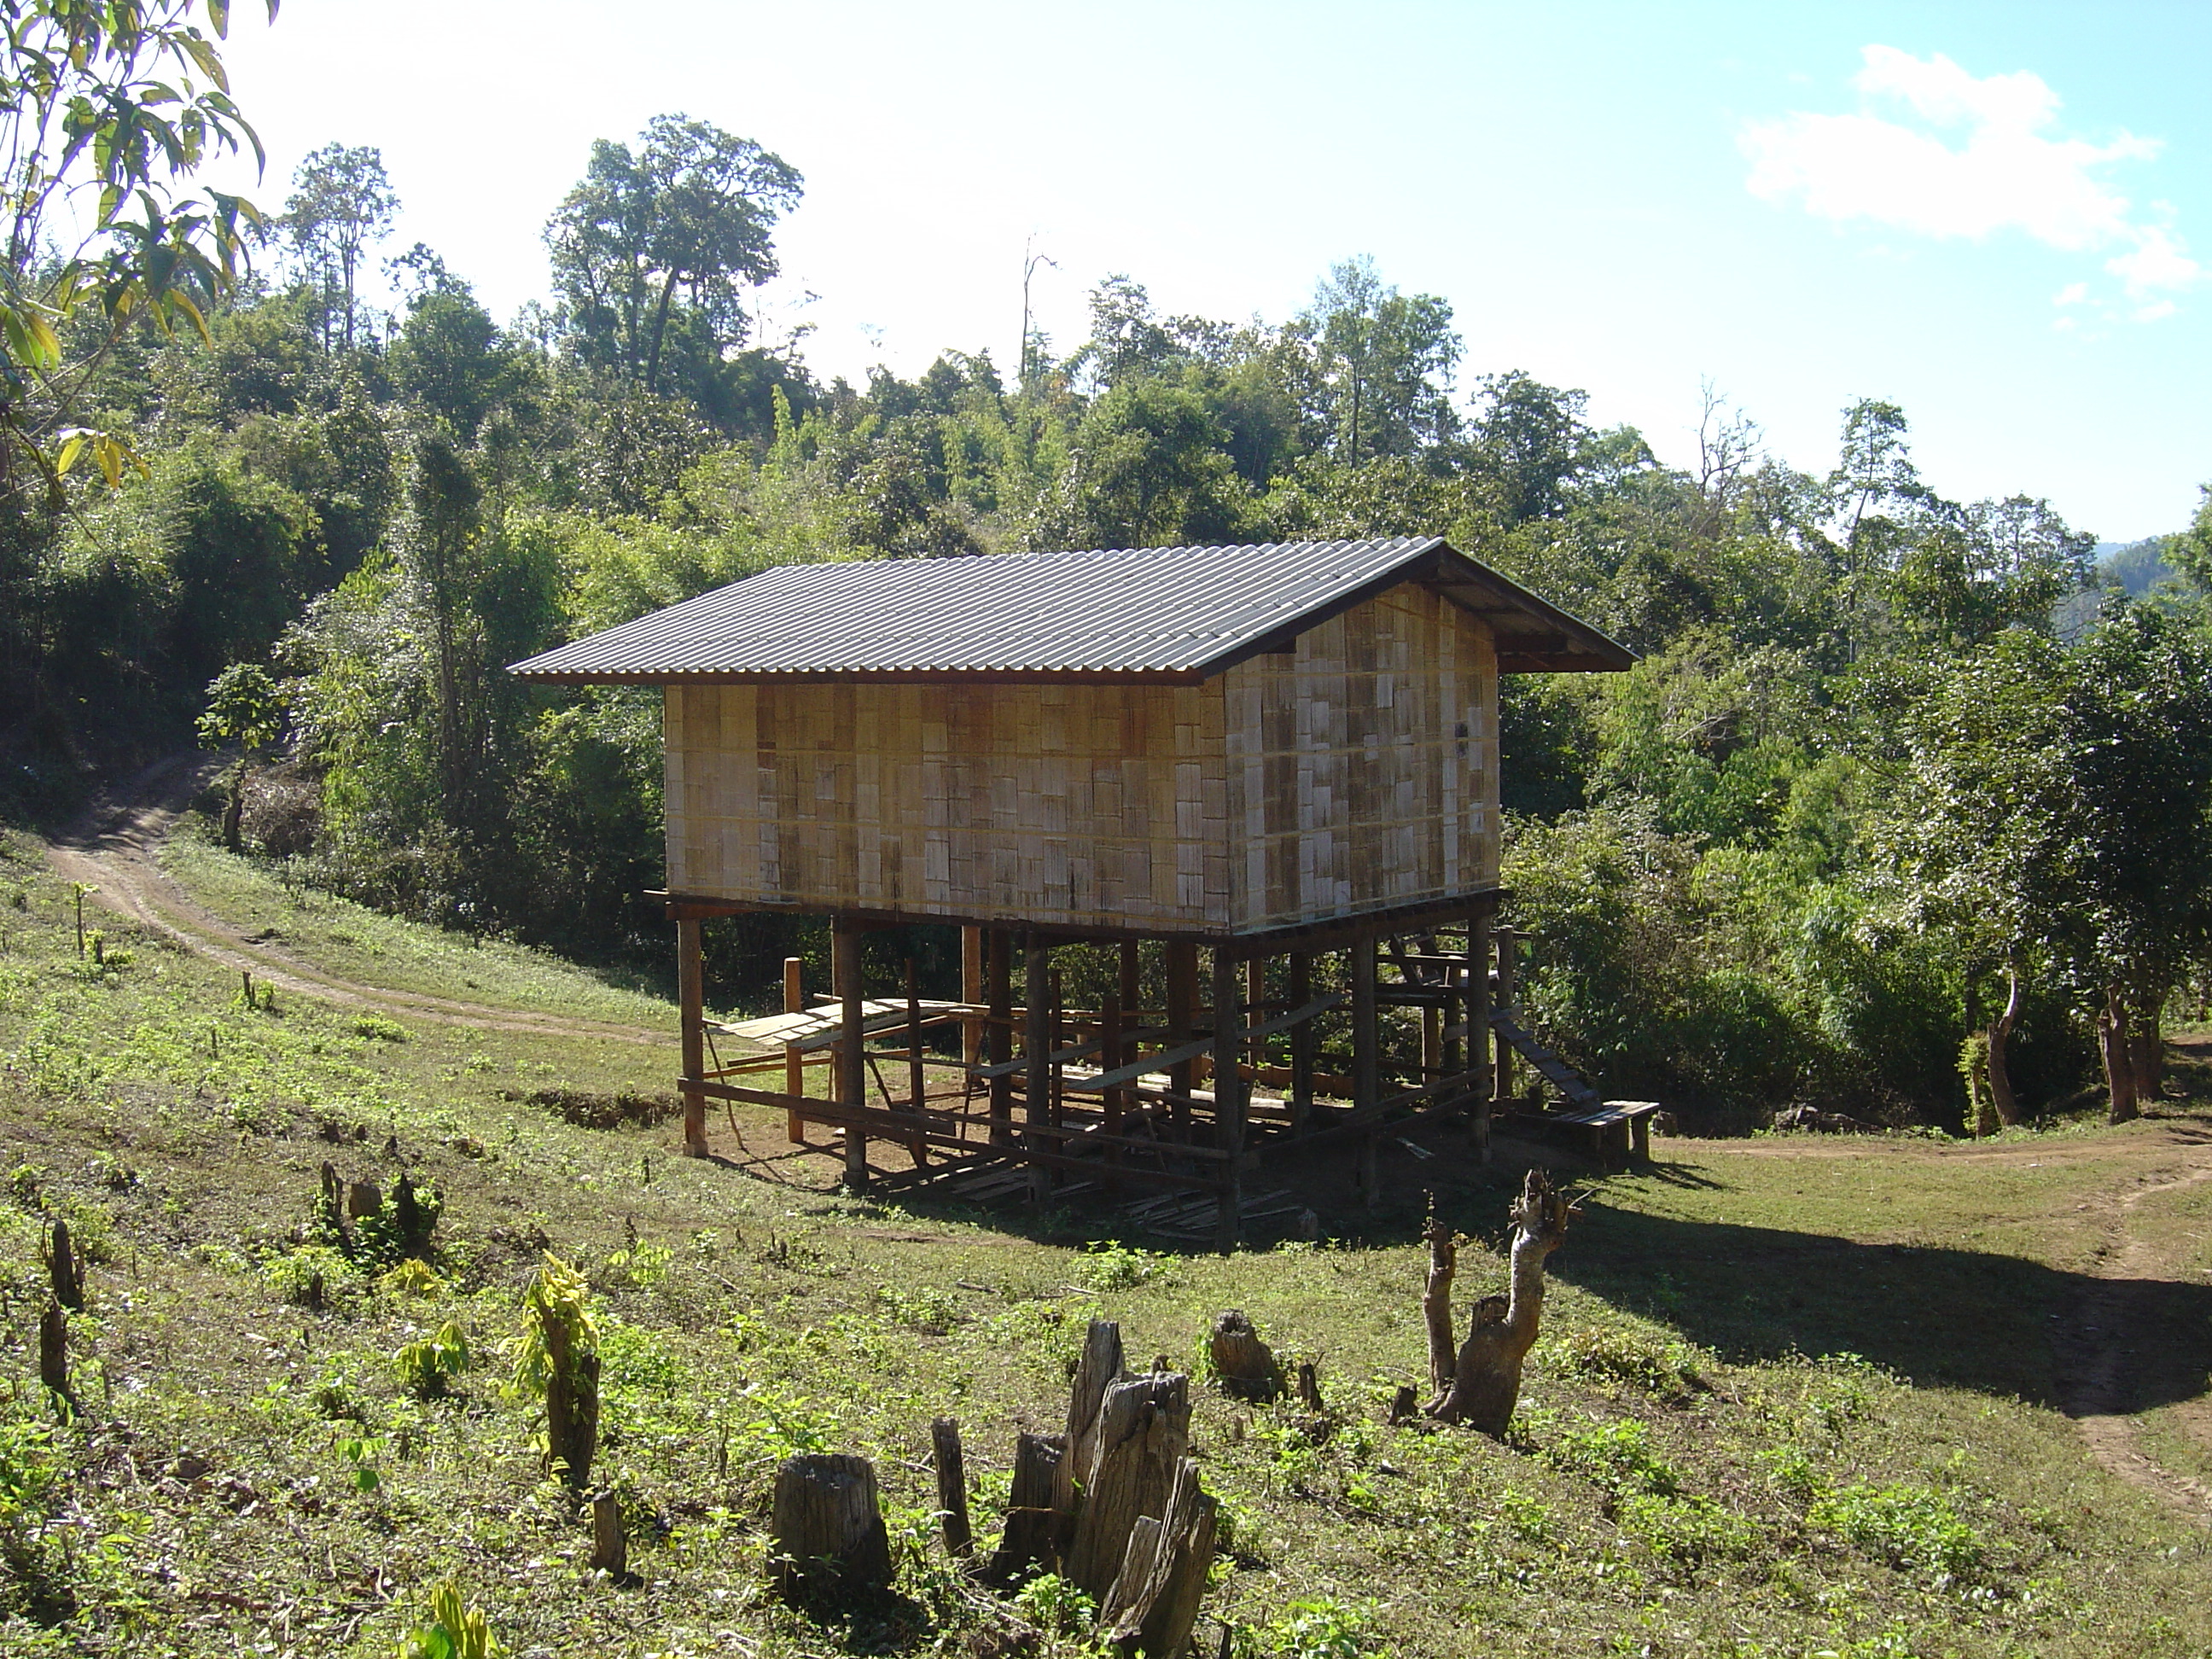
x=1310, y=1388
x=1435, y=1301
x=1405, y=1405
x=54, y=1353
x=827, y=1530
x=1485, y=1382
x=1246, y=1365
x=1031, y=1534
x=62, y=1270
x=1098, y=1369
x=1153, y=1602
x=951, y=1487
x=609, y=1547
x=1143, y=1432
x=362, y=1198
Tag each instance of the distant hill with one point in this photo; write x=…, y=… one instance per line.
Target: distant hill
x=2138, y=567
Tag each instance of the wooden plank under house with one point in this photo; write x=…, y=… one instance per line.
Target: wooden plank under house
x=1270, y=773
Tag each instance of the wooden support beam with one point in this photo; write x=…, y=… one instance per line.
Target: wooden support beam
x=1133, y=983
x=1036, y=1047
x=1255, y=1000
x=1229, y=1039
x=1182, y=1015
x=795, y=1063
x=691, y=998
x=999, y=1035
x=1477, y=991
x=852, y=1069
x=1301, y=1046
x=971, y=992
x=1504, y=1091
x=1366, y=1058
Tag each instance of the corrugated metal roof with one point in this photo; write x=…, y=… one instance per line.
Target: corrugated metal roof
x=1164, y=613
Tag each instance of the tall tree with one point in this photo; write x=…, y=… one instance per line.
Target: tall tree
x=1382, y=365
x=342, y=206
x=691, y=211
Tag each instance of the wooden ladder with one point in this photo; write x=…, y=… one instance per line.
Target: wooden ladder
x=1553, y=1069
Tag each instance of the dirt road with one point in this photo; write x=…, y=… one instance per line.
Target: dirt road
x=116, y=845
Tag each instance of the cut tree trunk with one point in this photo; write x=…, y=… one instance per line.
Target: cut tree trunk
x=1487, y=1375
x=54, y=1353
x=2147, y=1048
x=1031, y=1525
x=2002, y=1099
x=571, y=1406
x=1143, y=1432
x=610, y=1548
x=1435, y=1301
x=1310, y=1388
x=1097, y=1370
x=951, y=1487
x=1153, y=1602
x=2113, y=1048
x=1246, y=1365
x=827, y=1529
x=62, y=1270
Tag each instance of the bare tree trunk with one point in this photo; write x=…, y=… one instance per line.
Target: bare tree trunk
x=1486, y=1377
x=1435, y=1301
x=2147, y=1049
x=828, y=1526
x=951, y=1487
x=1247, y=1366
x=2119, y=1062
x=2001, y=1095
x=1144, y=1432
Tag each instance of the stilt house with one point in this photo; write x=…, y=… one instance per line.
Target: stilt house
x=1271, y=752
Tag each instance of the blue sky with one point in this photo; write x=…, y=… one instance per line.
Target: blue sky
x=1991, y=215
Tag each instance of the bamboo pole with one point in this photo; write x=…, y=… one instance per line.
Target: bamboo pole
x=1302, y=1045
x=795, y=1063
x=1036, y=1048
x=691, y=997
x=998, y=1034
x=1182, y=1017
x=1228, y=1096
x=852, y=1044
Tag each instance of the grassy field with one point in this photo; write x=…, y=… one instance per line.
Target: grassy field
x=1795, y=1398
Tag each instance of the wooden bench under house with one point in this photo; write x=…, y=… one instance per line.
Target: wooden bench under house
x=1265, y=775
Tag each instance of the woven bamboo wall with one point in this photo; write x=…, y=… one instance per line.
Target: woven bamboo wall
x=1358, y=773
x=1363, y=771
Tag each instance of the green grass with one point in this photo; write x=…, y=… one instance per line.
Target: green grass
x=353, y=942
x=1783, y=1406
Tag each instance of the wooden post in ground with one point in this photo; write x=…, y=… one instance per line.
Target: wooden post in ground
x=998, y=1032
x=1478, y=1027
x=691, y=999
x=1133, y=982
x=1301, y=1046
x=951, y=1487
x=1504, y=1091
x=1255, y=999
x=1109, y=1059
x=917, y=1081
x=795, y=1063
x=1037, y=1051
x=1228, y=1041
x=1366, y=1057
x=1183, y=1022
x=851, y=1044
x=971, y=993
x=827, y=1527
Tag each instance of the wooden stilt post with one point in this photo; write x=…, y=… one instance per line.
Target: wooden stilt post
x=851, y=1044
x=1366, y=1056
x=999, y=1033
x=1301, y=1046
x=1477, y=1024
x=1228, y=1041
x=1255, y=999
x=917, y=1081
x=1036, y=1049
x=1183, y=1022
x=971, y=993
x=692, y=998
x=1133, y=983
x=1505, y=936
x=795, y=1063
x=1109, y=1059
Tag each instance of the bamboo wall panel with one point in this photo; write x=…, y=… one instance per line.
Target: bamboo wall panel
x=1087, y=805
x=1363, y=769
x=1357, y=774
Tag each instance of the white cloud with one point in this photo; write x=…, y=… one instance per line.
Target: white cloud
x=1969, y=158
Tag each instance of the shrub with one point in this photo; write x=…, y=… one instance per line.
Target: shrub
x=1056, y=1607
x=1617, y=1456
x=379, y=1028
x=1910, y=1527
x=1321, y=1627
x=1686, y=1531
x=1113, y=1266
x=1625, y=1356
x=425, y=1365
x=454, y=1631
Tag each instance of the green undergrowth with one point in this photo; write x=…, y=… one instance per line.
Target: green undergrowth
x=292, y=1432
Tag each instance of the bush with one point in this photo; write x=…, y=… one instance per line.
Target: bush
x=1321, y=1627
x=1617, y=1456
x=1686, y=1531
x=1913, y=1528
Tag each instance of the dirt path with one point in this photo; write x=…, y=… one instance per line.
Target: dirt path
x=116, y=846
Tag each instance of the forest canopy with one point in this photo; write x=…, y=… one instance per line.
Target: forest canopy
x=1903, y=812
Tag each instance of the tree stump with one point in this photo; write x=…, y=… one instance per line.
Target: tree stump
x=1485, y=1382
x=827, y=1530
x=1032, y=1527
x=610, y=1548
x=62, y=1269
x=572, y=1405
x=1153, y=1602
x=951, y=1487
x=1143, y=1432
x=54, y=1353
x=1246, y=1365
x=1436, y=1300
x=1099, y=1368
x=1310, y=1388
